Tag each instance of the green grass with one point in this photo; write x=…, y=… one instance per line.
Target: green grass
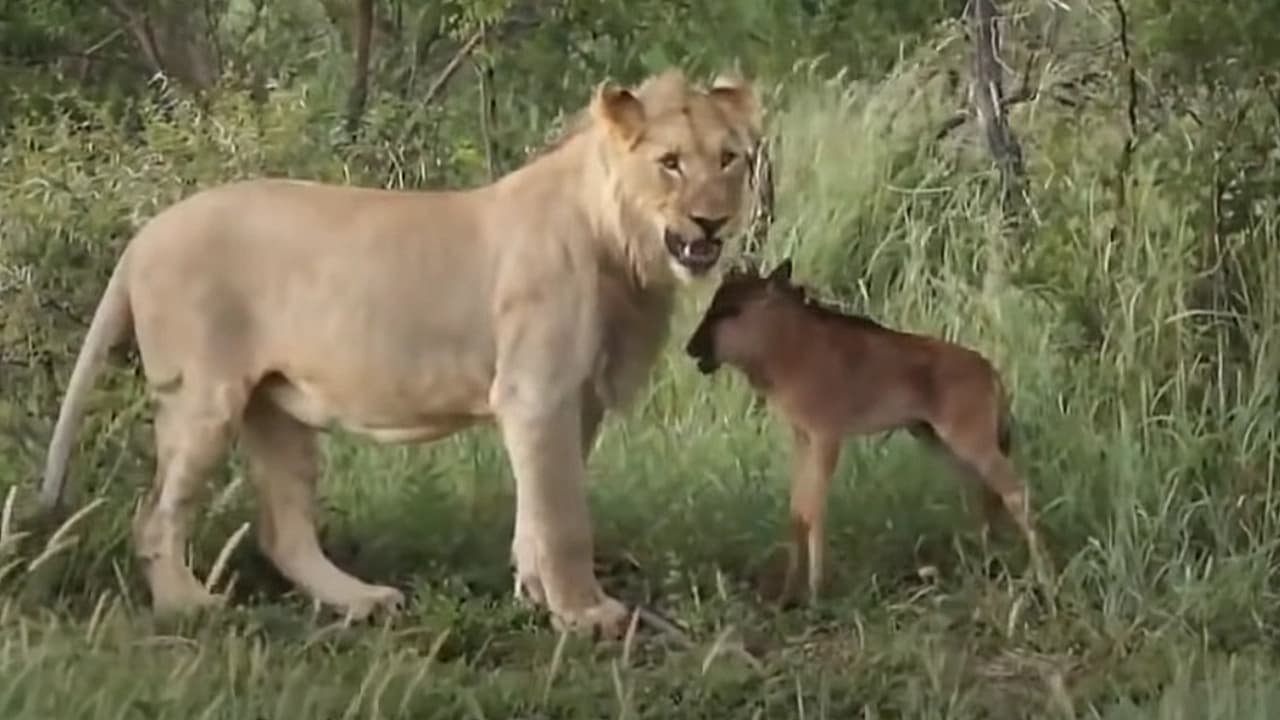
x=1146, y=430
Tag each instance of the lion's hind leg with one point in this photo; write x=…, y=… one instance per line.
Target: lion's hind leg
x=284, y=467
x=194, y=424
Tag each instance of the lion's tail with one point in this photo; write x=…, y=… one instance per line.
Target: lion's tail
x=111, y=321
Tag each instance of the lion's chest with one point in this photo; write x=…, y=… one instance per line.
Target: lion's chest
x=633, y=326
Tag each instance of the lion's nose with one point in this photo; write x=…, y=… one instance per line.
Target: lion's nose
x=710, y=226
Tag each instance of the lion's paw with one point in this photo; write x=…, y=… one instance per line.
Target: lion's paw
x=528, y=588
x=606, y=619
x=373, y=599
x=184, y=596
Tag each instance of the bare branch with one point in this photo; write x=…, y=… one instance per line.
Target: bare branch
x=989, y=102
x=1131, y=142
x=438, y=84
x=176, y=42
x=1026, y=93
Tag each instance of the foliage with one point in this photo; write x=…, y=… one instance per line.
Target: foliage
x=1136, y=324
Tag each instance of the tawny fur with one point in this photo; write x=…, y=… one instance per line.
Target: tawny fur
x=830, y=376
x=273, y=309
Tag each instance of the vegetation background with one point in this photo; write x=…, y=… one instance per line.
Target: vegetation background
x=1124, y=277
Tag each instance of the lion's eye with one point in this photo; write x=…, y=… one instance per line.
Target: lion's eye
x=727, y=157
x=670, y=161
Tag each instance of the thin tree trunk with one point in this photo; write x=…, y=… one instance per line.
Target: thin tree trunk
x=990, y=103
x=358, y=97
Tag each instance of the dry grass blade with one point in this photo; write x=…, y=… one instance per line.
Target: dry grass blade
x=620, y=691
x=57, y=543
x=629, y=639
x=8, y=568
x=715, y=648
x=224, y=555
x=8, y=538
x=422, y=672
x=734, y=648
x=6, y=515
x=557, y=656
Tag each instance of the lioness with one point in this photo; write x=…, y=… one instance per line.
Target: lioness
x=275, y=308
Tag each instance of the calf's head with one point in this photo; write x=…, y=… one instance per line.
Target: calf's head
x=736, y=323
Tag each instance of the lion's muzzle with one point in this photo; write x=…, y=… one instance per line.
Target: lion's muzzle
x=698, y=256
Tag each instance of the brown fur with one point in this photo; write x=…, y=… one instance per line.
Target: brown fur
x=274, y=309
x=832, y=375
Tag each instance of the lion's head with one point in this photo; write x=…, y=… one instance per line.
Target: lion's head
x=678, y=158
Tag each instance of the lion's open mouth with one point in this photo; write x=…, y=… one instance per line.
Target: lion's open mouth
x=697, y=255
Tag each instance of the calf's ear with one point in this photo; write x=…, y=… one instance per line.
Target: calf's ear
x=781, y=274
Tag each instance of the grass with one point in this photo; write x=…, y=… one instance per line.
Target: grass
x=1147, y=436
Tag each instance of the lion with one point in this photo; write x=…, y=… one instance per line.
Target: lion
x=270, y=310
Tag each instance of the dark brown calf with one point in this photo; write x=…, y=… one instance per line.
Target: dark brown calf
x=832, y=375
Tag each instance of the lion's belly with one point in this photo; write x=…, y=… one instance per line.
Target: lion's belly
x=381, y=414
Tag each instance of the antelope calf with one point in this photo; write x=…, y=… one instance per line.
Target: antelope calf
x=831, y=375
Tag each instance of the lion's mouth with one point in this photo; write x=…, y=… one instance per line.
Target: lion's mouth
x=699, y=256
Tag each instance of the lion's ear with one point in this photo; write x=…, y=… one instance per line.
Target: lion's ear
x=737, y=98
x=620, y=111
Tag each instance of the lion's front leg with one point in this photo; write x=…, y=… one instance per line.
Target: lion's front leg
x=523, y=559
x=552, y=545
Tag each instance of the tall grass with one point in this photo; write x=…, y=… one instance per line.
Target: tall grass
x=1145, y=428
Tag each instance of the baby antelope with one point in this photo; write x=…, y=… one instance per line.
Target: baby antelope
x=831, y=375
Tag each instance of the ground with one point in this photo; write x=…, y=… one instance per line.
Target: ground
x=917, y=622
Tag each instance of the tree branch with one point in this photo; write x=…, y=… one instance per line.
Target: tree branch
x=176, y=42
x=447, y=73
x=1024, y=94
x=1131, y=110
x=989, y=102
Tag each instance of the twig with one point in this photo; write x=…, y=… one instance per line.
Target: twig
x=140, y=27
x=101, y=43
x=441, y=80
x=1024, y=94
x=684, y=641
x=438, y=84
x=665, y=626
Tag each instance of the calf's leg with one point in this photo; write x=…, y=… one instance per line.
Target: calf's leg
x=814, y=459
